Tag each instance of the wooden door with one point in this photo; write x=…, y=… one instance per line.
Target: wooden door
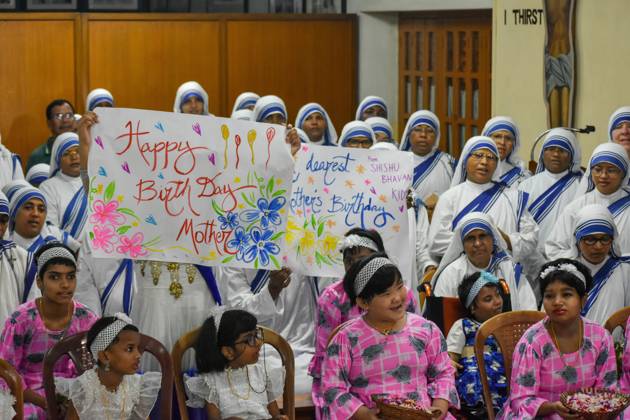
x=444, y=66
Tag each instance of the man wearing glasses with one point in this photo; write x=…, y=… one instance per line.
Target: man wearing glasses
x=60, y=119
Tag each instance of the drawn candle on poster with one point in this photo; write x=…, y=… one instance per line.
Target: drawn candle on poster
x=176, y=187
x=337, y=189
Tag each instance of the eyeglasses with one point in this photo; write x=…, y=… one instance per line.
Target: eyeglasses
x=359, y=142
x=63, y=116
x=481, y=156
x=72, y=153
x=253, y=339
x=423, y=129
x=592, y=240
x=598, y=170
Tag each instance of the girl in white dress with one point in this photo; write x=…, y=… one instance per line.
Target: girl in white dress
x=231, y=382
x=112, y=389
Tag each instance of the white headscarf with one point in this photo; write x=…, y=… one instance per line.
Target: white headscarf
x=97, y=96
x=368, y=102
x=620, y=115
x=330, y=135
x=384, y=145
x=244, y=100
x=185, y=91
x=591, y=220
x=472, y=221
x=356, y=129
x=500, y=123
x=473, y=144
x=418, y=118
x=243, y=115
x=612, y=153
x=19, y=198
x=62, y=143
x=38, y=174
x=12, y=187
x=565, y=139
x=381, y=125
x=269, y=105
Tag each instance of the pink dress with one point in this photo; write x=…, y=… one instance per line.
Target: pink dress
x=333, y=309
x=624, y=381
x=361, y=362
x=540, y=374
x=25, y=340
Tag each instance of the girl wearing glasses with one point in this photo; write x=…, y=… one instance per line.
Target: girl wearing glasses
x=231, y=382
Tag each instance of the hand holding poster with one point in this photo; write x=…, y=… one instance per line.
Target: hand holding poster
x=337, y=189
x=187, y=188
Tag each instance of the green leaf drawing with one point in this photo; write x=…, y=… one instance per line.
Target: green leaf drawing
x=313, y=222
x=217, y=209
x=320, y=229
x=227, y=259
x=247, y=200
x=278, y=193
x=275, y=261
x=152, y=242
x=123, y=229
x=270, y=186
x=276, y=236
x=256, y=263
x=109, y=191
x=91, y=235
x=128, y=212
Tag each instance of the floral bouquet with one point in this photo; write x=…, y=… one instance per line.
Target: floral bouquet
x=401, y=408
x=595, y=403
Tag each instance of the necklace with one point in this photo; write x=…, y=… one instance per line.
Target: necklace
x=40, y=306
x=249, y=384
x=104, y=398
x=557, y=344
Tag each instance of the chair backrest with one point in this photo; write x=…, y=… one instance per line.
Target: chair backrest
x=618, y=319
x=507, y=328
x=14, y=382
x=272, y=338
x=76, y=347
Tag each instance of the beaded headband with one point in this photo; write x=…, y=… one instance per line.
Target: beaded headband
x=353, y=241
x=108, y=334
x=569, y=268
x=56, y=252
x=484, y=279
x=366, y=273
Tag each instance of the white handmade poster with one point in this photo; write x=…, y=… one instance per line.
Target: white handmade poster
x=187, y=188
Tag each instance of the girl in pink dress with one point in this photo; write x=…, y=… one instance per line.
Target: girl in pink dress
x=387, y=351
x=334, y=306
x=37, y=325
x=563, y=352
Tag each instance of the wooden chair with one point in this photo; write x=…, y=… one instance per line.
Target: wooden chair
x=618, y=319
x=76, y=347
x=507, y=328
x=14, y=382
x=272, y=338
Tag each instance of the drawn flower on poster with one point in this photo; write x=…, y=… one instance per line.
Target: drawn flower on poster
x=310, y=238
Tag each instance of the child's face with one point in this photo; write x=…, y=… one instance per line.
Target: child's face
x=124, y=354
x=562, y=302
x=246, y=348
x=58, y=283
x=389, y=306
x=487, y=304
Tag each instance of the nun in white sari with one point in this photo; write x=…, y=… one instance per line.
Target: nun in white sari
x=328, y=135
x=66, y=199
x=556, y=184
x=38, y=174
x=269, y=106
x=191, y=91
x=494, y=259
x=382, y=130
x=605, y=183
x=246, y=100
x=10, y=166
x=594, y=232
x=371, y=106
x=619, y=127
x=480, y=190
x=97, y=98
x=504, y=131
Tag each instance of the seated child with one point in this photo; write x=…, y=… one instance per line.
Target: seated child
x=386, y=351
x=231, y=383
x=112, y=389
x=480, y=295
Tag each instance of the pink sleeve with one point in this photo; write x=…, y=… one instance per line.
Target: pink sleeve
x=11, y=342
x=340, y=403
x=328, y=317
x=412, y=302
x=606, y=363
x=440, y=372
x=524, y=401
x=624, y=382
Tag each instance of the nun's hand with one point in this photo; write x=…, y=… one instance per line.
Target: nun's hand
x=83, y=130
x=293, y=139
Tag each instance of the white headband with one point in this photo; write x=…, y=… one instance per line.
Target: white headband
x=107, y=335
x=353, y=241
x=368, y=271
x=56, y=252
x=569, y=268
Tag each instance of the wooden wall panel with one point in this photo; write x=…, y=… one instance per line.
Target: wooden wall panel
x=143, y=62
x=37, y=65
x=300, y=61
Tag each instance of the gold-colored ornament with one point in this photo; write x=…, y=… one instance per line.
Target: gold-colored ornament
x=156, y=271
x=191, y=270
x=175, y=288
x=143, y=264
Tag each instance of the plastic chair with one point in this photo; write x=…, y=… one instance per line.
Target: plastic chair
x=14, y=382
x=76, y=347
x=618, y=319
x=507, y=328
x=270, y=337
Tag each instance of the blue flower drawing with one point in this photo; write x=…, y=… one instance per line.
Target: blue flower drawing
x=262, y=247
x=239, y=242
x=267, y=211
x=229, y=221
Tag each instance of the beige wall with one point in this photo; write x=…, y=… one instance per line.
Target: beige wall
x=601, y=65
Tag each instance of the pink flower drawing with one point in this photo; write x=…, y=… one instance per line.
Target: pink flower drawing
x=132, y=246
x=104, y=238
x=106, y=213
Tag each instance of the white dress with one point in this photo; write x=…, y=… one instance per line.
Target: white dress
x=6, y=404
x=613, y=295
x=133, y=400
x=438, y=180
x=504, y=167
x=10, y=167
x=59, y=191
x=522, y=296
x=245, y=395
x=13, y=266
